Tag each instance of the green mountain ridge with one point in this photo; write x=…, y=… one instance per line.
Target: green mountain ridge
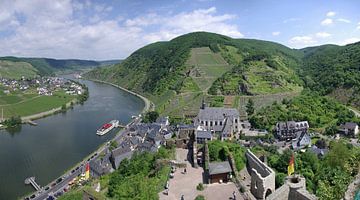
x=162, y=71
x=48, y=66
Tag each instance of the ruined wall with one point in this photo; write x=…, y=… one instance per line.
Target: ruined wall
x=262, y=176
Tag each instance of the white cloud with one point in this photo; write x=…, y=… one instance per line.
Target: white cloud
x=344, y=20
x=326, y=22
x=358, y=27
x=331, y=14
x=302, y=41
x=54, y=29
x=185, y=22
x=276, y=33
x=323, y=35
x=349, y=41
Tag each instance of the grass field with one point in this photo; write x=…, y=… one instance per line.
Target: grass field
x=206, y=67
x=15, y=70
x=20, y=105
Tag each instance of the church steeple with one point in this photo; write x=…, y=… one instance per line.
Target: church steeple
x=203, y=104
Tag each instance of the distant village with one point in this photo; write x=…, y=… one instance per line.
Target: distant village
x=42, y=85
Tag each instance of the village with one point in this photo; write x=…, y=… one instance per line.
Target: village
x=193, y=173
x=41, y=85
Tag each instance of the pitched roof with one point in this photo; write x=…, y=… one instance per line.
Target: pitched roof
x=203, y=134
x=214, y=113
x=120, y=154
x=219, y=167
x=350, y=125
x=318, y=151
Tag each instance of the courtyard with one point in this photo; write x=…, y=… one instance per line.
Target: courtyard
x=185, y=183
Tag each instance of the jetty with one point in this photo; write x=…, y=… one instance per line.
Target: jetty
x=31, y=180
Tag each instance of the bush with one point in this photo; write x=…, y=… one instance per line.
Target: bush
x=150, y=117
x=200, y=197
x=200, y=187
x=242, y=189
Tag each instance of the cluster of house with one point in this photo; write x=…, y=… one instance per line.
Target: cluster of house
x=138, y=138
x=297, y=132
x=43, y=85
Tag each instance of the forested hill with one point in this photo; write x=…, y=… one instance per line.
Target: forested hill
x=334, y=70
x=162, y=66
x=47, y=66
x=219, y=65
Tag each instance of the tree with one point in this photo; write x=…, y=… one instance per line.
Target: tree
x=279, y=179
x=12, y=121
x=250, y=107
x=338, y=155
x=63, y=108
x=321, y=143
x=150, y=117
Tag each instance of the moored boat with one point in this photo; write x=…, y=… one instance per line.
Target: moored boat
x=107, y=127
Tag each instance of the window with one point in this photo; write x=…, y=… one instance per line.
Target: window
x=215, y=123
x=202, y=122
x=220, y=123
x=236, y=120
x=211, y=123
x=206, y=123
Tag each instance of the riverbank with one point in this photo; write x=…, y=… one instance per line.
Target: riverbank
x=149, y=106
x=353, y=188
x=48, y=113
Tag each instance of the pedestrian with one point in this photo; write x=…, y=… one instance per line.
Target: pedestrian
x=184, y=170
x=182, y=197
x=234, y=195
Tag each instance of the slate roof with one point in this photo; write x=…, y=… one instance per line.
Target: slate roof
x=303, y=140
x=203, y=134
x=145, y=146
x=219, y=168
x=349, y=125
x=227, y=127
x=214, y=113
x=318, y=151
x=98, y=167
x=119, y=154
x=186, y=126
x=162, y=120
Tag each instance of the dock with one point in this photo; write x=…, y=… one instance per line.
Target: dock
x=31, y=123
x=31, y=180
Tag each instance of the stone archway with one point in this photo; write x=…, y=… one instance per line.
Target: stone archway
x=268, y=192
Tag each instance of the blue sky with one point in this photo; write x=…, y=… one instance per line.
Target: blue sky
x=112, y=29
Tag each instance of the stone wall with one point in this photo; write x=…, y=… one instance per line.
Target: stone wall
x=294, y=188
x=262, y=176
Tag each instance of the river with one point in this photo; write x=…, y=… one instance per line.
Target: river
x=60, y=141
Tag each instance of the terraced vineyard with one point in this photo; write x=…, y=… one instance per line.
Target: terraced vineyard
x=206, y=66
x=15, y=70
x=263, y=100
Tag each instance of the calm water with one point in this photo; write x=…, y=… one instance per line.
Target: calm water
x=60, y=141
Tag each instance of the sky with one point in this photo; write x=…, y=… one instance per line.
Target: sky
x=113, y=29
